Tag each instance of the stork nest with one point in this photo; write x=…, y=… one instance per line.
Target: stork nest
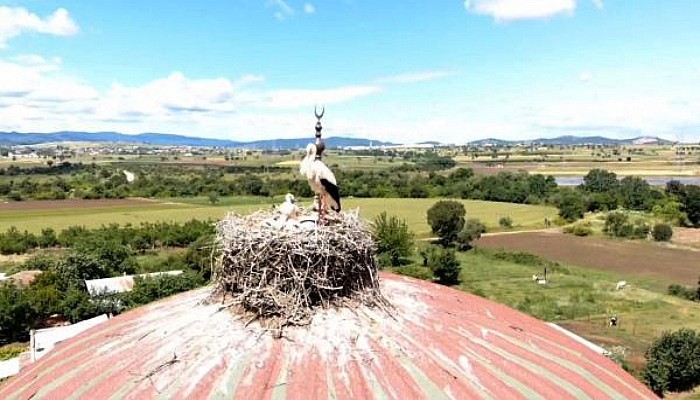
x=282, y=274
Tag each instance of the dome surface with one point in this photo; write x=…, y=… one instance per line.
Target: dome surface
x=434, y=343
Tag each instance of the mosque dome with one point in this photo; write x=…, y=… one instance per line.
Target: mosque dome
x=432, y=342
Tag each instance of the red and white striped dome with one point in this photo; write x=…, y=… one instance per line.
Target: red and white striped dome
x=436, y=343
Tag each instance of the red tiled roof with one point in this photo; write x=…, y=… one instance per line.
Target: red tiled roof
x=25, y=278
x=436, y=343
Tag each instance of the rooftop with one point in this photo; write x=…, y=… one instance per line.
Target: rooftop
x=436, y=343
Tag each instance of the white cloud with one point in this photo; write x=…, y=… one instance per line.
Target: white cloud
x=585, y=77
x=309, y=8
x=17, y=20
x=598, y=4
x=412, y=77
x=511, y=10
x=283, y=9
x=306, y=98
x=36, y=96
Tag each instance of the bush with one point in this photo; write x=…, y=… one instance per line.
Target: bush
x=617, y=225
x=673, y=362
x=640, y=230
x=579, y=229
x=393, y=238
x=683, y=292
x=472, y=231
x=517, y=257
x=443, y=263
x=151, y=289
x=201, y=254
x=446, y=219
x=415, y=271
x=9, y=352
x=505, y=222
x=662, y=232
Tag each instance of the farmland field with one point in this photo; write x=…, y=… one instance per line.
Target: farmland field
x=582, y=300
x=35, y=215
x=665, y=264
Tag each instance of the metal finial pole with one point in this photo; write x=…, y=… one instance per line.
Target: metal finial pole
x=320, y=144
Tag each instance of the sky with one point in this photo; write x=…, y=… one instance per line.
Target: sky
x=402, y=71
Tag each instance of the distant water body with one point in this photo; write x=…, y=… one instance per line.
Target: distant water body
x=653, y=180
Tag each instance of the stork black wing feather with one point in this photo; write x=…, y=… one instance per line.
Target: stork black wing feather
x=332, y=191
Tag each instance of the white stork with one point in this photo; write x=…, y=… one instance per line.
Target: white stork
x=321, y=180
x=288, y=209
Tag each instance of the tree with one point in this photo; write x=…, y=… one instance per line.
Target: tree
x=472, y=231
x=602, y=202
x=662, y=232
x=617, y=225
x=149, y=289
x=213, y=197
x=670, y=211
x=201, y=254
x=443, y=263
x=691, y=203
x=95, y=257
x=47, y=238
x=393, y=238
x=16, y=314
x=599, y=181
x=446, y=219
x=673, y=362
x=636, y=194
x=571, y=205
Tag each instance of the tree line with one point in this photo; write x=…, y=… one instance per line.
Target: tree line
x=139, y=238
x=98, y=253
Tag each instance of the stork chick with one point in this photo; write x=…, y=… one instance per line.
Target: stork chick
x=288, y=209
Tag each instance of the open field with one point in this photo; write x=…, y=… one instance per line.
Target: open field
x=582, y=300
x=35, y=215
x=664, y=264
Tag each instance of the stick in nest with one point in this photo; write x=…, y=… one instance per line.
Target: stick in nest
x=283, y=275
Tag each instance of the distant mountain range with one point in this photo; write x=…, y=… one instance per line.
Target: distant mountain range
x=164, y=139
x=573, y=140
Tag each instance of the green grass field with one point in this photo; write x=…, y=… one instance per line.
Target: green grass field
x=412, y=210
x=581, y=300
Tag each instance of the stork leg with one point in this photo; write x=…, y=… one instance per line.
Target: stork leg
x=321, y=211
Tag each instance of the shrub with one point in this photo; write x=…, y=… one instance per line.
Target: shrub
x=393, y=238
x=683, y=292
x=517, y=257
x=617, y=225
x=505, y=222
x=662, y=232
x=446, y=219
x=640, y=230
x=9, y=352
x=673, y=362
x=472, y=231
x=200, y=255
x=415, y=271
x=443, y=263
x=579, y=229
x=150, y=289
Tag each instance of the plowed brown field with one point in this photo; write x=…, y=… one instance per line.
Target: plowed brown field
x=625, y=257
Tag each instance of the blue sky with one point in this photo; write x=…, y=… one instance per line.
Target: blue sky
x=404, y=71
